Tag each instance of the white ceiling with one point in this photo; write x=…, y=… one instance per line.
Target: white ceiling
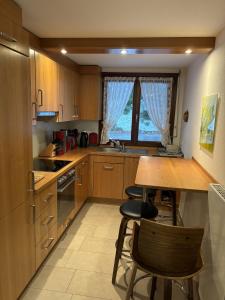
x=134, y=60
x=123, y=18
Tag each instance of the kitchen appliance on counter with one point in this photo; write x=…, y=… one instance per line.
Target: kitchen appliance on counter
x=65, y=140
x=48, y=165
x=65, y=195
x=93, y=139
x=83, y=139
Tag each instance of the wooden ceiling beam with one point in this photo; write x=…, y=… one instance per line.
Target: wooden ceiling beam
x=170, y=45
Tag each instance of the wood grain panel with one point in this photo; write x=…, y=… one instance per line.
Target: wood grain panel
x=142, y=45
x=130, y=171
x=108, y=180
x=172, y=173
x=90, y=100
x=17, y=251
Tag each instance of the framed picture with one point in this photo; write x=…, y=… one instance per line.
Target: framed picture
x=208, y=122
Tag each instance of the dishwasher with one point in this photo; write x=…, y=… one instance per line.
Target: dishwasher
x=65, y=195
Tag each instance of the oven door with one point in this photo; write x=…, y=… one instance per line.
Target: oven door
x=66, y=199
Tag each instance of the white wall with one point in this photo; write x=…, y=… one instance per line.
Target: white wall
x=42, y=132
x=204, y=77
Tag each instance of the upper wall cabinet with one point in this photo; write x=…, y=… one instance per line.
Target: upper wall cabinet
x=11, y=34
x=90, y=99
x=47, y=83
x=67, y=95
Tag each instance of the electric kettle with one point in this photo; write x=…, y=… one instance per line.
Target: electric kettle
x=83, y=139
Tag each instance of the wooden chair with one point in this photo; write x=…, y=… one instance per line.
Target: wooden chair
x=169, y=252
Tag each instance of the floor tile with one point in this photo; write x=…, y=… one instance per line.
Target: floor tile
x=99, y=245
x=90, y=261
x=71, y=240
x=35, y=294
x=81, y=229
x=92, y=284
x=58, y=257
x=53, y=278
x=79, y=297
x=108, y=231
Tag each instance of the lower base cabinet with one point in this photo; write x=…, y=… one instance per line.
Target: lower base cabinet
x=107, y=177
x=81, y=184
x=45, y=222
x=17, y=251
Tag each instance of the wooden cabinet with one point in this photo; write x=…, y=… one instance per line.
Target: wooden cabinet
x=82, y=182
x=45, y=222
x=107, y=177
x=90, y=98
x=17, y=251
x=47, y=83
x=12, y=35
x=130, y=170
x=67, y=98
x=76, y=96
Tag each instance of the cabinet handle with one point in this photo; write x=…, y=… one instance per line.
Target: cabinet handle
x=34, y=111
x=49, y=220
x=33, y=212
x=41, y=93
x=7, y=37
x=109, y=168
x=50, y=195
x=51, y=240
x=62, y=110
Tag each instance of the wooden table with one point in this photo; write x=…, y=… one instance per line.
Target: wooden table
x=172, y=174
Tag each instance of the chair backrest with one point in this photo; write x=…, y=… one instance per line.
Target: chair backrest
x=168, y=250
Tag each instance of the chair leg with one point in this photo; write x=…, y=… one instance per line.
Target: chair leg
x=190, y=289
x=153, y=288
x=167, y=289
x=119, y=247
x=131, y=283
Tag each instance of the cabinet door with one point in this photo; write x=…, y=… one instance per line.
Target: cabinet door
x=12, y=35
x=107, y=180
x=130, y=170
x=76, y=96
x=90, y=97
x=15, y=130
x=66, y=94
x=47, y=83
x=17, y=251
x=78, y=188
x=85, y=180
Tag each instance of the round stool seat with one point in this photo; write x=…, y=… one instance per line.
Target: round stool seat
x=134, y=209
x=137, y=192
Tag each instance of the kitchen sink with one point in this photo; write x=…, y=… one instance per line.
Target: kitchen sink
x=127, y=150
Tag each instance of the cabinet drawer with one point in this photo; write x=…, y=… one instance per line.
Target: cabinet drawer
x=13, y=36
x=108, y=159
x=46, y=220
x=108, y=180
x=45, y=245
x=46, y=198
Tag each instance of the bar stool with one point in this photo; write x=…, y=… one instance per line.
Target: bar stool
x=165, y=251
x=136, y=192
x=131, y=210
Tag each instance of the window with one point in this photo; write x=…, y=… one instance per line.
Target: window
x=139, y=110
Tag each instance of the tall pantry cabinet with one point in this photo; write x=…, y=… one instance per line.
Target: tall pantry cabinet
x=17, y=252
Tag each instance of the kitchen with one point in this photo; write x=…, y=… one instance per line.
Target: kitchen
x=71, y=247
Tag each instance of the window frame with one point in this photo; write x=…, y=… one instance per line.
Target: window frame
x=136, y=105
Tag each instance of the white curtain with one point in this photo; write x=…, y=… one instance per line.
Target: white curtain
x=117, y=91
x=156, y=93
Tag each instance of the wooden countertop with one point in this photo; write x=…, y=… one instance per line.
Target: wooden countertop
x=172, y=173
x=76, y=156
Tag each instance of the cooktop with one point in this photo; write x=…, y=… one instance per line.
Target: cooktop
x=48, y=165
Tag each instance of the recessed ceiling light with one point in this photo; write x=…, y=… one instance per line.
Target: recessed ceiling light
x=63, y=51
x=188, y=51
x=123, y=51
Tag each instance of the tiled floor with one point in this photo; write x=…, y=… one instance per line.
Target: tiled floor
x=80, y=266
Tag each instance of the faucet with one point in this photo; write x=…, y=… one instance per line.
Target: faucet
x=116, y=144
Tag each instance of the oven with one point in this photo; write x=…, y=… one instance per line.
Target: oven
x=66, y=195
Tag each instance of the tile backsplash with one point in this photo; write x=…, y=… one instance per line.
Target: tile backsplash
x=42, y=132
